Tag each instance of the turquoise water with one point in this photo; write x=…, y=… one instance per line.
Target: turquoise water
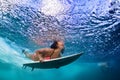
x=85, y=26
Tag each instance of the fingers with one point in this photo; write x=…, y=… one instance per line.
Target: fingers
x=41, y=60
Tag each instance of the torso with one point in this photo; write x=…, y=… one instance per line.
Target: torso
x=52, y=53
x=48, y=53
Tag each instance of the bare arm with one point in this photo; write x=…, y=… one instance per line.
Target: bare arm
x=40, y=55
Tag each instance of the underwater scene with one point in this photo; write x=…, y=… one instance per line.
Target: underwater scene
x=88, y=26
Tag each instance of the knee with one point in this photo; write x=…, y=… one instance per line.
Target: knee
x=37, y=52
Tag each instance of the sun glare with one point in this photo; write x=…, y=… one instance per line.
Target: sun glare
x=51, y=7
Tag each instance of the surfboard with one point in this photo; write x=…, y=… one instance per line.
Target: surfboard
x=53, y=63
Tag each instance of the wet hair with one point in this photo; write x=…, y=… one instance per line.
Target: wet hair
x=54, y=45
x=62, y=51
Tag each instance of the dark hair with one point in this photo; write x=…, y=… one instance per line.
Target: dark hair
x=54, y=45
x=62, y=51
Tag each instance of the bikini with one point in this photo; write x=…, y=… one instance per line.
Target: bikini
x=45, y=58
x=49, y=57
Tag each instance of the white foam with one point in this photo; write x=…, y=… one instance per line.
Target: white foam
x=10, y=55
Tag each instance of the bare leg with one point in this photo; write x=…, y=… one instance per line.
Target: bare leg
x=27, y=54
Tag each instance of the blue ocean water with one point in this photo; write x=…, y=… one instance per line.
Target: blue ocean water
x=89, y=26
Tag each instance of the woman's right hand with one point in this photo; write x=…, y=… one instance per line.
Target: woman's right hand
x=41, y=60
